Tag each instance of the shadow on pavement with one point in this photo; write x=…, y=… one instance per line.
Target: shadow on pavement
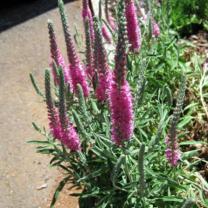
x=13, y=12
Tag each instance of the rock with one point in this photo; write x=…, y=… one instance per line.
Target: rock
x=45, y=185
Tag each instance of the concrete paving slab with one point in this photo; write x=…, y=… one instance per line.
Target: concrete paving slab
x=24, y=48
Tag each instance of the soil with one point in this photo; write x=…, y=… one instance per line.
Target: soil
x=199, y=128
x=26, y=180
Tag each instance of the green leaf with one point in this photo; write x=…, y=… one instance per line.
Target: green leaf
x=190, y=154
x=171, y=199
x=82, y=104
x=37, y=128
x=188, y=203
x=58, y=190
x=37, y=142
x=37, y=89
x=184, y=121
x=116, y=170
x=191, y=143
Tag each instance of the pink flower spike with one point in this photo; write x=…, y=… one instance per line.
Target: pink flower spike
x=106, y=34
x=109, y=17
x=104, y=82
x=54, y=122
x=70, y=138
x=89, y=52
x=55, y=126
x=56, y=55
x=78, y=76
x=121, y=112
x=134, y=32
x=172, y=152
x=87, y=15
x=60, y=63
x=155, y=29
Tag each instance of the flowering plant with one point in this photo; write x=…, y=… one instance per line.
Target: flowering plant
x=109, y=120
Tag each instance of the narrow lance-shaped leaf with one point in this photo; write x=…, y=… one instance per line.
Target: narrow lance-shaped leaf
x=116, y=170
x=141, y=189
x=79, y=124
x=37, y=89
x=140, y=86
x=188, y=203
x=58, y=190
x=82, y=103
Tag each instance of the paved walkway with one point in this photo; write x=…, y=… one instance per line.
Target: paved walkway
x=24, y=48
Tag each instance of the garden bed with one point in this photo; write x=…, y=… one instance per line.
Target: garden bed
x=128, y=131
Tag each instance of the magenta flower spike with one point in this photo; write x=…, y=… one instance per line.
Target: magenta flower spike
x=56, y=55
x=102, y=90
x=120, y=98
x=121, y=112
x=106, y=34
x=87, y=15
x=78, y=76
x=155, y=29
x=89, y=51
x=101, y=65
x=172, y=152
x=109, y=17
x=133, y=28
x=70, y=138
x=54, y=123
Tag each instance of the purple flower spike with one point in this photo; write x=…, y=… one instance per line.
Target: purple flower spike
x=78, y=77
x=121, y=113
x=120, y=97
x=102, y=90
x=70, y=138
x=109, y=17
x=56, y=55
x=134, y=32
x=155, y=29
x=54, y=123
x=101, y=65
x=55, y=126
x=89, y=51
x=87, y=15
x=172, y=152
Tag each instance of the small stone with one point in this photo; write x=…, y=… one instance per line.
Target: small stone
x=45, y=185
